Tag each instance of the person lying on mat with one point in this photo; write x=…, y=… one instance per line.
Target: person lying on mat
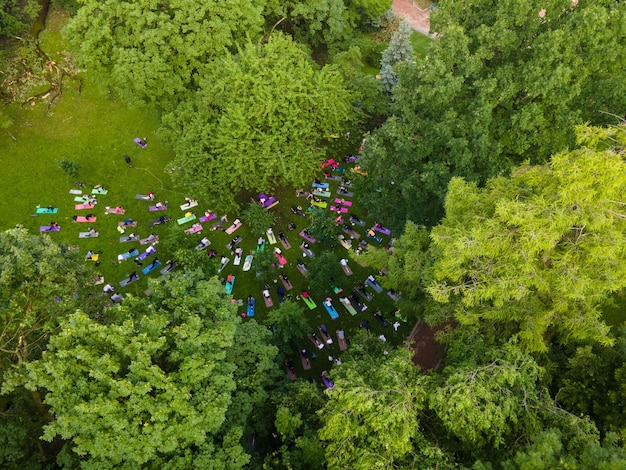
x=159, y=205
x=266, y=293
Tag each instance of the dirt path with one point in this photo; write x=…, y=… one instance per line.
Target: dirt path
x=426, y=351
x=417, y=19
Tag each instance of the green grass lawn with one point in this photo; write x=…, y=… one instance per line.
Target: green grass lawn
x=421, y=44
x=96, y=132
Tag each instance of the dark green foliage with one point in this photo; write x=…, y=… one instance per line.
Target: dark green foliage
x=265, y=264
x=289, y=325
x=598, y=392
x=551, y=449
x=325, y=229
x=325, y=274
x=257, y=218
x=483, y=100
x=70, y=167
x=16, y=16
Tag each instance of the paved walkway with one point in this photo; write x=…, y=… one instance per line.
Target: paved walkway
x=417, y=19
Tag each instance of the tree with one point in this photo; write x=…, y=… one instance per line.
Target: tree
x=324, y=228
x=360, y=13
x=315, y=23
x=265, y=265
x=366, y=90
x=540, y=249
x=325, y=273
x=271, y=134
x=548, y=450
x=39, y=281
x=488, y=405
x=408, y=268
x=357, y=432
x=296, y=422
x=154, y=51
x=16, y=16
x=400, y=49
x=599, y=392
x=257, y=218
x=483, y=100
x=256, y=374
x=289, y=324
x=150, y=390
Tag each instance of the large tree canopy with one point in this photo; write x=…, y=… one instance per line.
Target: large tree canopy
x=155, y=389
x=38, y=280
x=372, y=419
x=504, y=82
x=150, y=51
x=542, y=249
x=258, y=120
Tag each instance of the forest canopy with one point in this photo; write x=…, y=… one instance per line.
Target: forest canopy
x=490, y=155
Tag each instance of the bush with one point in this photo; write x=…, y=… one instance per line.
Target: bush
x=69, y=167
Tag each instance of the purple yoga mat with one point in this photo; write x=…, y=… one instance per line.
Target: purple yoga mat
x=145, y=254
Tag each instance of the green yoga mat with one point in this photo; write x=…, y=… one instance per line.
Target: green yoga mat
x=184, y=220
x=45, y=210
x=309, y=303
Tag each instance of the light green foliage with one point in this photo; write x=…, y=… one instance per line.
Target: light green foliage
x=287, y=423
x=257, y=218
x=148, y=390
x=290, y=325
x=542, y=249
x=152, y=51
x=500, y=85
x=258, y=121
x=488, y=404
x=34, y=271
x=372, y=417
